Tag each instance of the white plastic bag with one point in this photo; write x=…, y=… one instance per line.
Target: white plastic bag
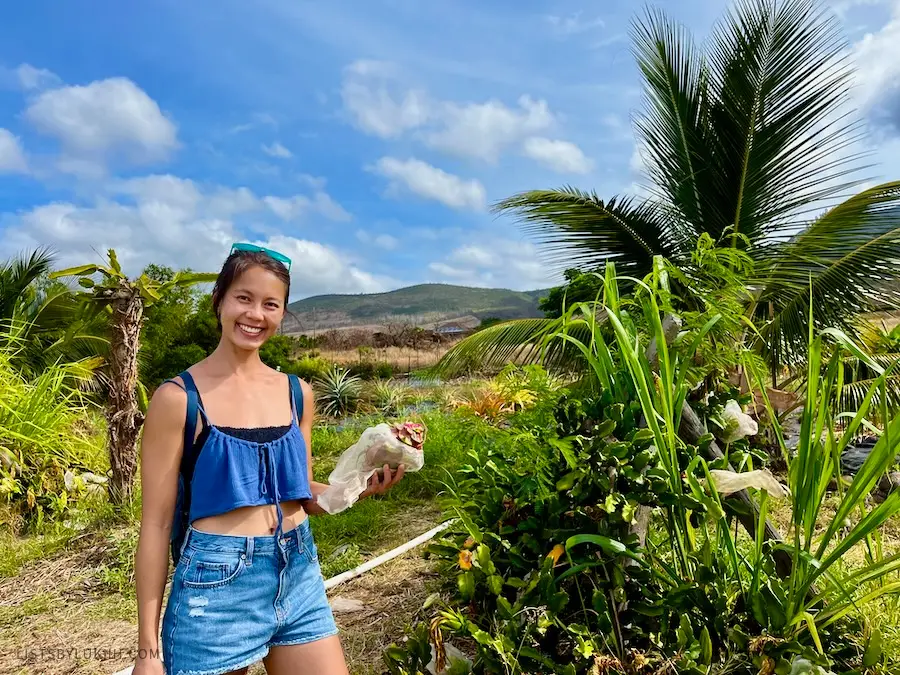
x=377, y=446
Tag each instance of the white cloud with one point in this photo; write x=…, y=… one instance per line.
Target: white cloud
x=574, y=24
x=172, y=221
x=430, y=182
x=181, y=196
x=483, y=130
x=378, y=104
x=877, y=60
x=277, y=150
x=36, y=78
x=495, y=263
x=316, y=268
x=107, y=119
x=258, y=120
x=287, y=209
x=561, y=156
x=367, y=98
x=636, y=161
x=12, y=157
x=293, y=208
x=384, y=241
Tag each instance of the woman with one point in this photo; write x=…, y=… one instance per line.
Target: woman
x=247, y=584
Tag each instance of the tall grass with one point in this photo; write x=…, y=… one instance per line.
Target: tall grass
x=46, y=431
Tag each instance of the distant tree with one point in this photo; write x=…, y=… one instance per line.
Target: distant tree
x=489, y=321
x=580, y=286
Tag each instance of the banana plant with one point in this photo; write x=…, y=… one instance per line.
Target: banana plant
x=124, y=301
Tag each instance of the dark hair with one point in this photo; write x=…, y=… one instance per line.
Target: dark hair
x=239, y=262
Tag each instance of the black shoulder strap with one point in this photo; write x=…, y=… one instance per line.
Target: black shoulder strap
x=189, y=454
x=297, y=395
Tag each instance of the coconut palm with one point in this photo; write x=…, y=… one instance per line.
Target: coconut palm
x=41, y=318
x=747, y=141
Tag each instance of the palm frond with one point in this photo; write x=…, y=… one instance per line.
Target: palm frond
x=579, y=229
x=780, y=77
x=860, y=379
x=848, y=260
x=17, y=275
x=672, y=127
x=518, y=341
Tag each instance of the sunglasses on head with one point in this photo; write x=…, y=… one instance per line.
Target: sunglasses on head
x=253, y=248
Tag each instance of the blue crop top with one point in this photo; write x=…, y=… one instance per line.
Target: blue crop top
x=247, y=467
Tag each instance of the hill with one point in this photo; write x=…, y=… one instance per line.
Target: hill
x=425, y=305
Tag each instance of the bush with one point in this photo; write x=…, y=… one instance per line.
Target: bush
x=371, y=370
x=309, y=368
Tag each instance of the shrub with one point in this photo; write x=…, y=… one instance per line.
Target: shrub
x=309, y=368
x=371, y=370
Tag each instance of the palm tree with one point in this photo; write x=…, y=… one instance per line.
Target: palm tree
x=746, y=141
x=40, y=319
x=124, y=301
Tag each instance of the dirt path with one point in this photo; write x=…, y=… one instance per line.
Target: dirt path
x=58, y=617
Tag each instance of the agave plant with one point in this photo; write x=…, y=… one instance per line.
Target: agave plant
x=338, y=392
x=746, y=142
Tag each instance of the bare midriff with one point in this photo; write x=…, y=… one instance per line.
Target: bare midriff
x=253, y=521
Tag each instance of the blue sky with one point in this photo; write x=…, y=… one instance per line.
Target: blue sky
x=366, y=139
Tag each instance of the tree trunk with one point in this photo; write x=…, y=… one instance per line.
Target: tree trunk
x=123, y=417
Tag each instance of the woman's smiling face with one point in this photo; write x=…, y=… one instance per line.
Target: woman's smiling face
x=252, y=308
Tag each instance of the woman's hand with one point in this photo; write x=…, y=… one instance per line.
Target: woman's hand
x=379, y=484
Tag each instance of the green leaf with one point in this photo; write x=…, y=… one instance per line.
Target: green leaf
x=466, y=584
x=874, y=650
x=558, y=601
x=495, y=584
x=86, y=282
x=567, y=481
x=114, y=262
x=79, y=271
x=706, y=650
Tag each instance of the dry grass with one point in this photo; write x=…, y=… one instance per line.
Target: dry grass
x=400, y=358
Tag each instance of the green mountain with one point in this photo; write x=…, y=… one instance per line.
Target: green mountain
x=423, y=305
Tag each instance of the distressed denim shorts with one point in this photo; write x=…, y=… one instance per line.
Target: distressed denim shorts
x=234, y=597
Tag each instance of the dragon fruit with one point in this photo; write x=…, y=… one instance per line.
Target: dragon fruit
x=382, y=452
x=411, y=433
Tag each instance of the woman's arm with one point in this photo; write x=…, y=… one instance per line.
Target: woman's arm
x=377, y=484
x=161, y=448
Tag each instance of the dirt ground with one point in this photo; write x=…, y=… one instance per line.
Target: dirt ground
x=57, y=617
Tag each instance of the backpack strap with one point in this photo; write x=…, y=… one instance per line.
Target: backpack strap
x=296, y=397
x=189, y=454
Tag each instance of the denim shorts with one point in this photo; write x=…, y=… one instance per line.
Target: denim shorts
x=234, y=597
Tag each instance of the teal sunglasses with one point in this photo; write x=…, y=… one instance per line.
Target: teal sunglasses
x=253, y=248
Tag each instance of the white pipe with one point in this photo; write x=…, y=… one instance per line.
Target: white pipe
x=366, y=566
x=384, y=557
